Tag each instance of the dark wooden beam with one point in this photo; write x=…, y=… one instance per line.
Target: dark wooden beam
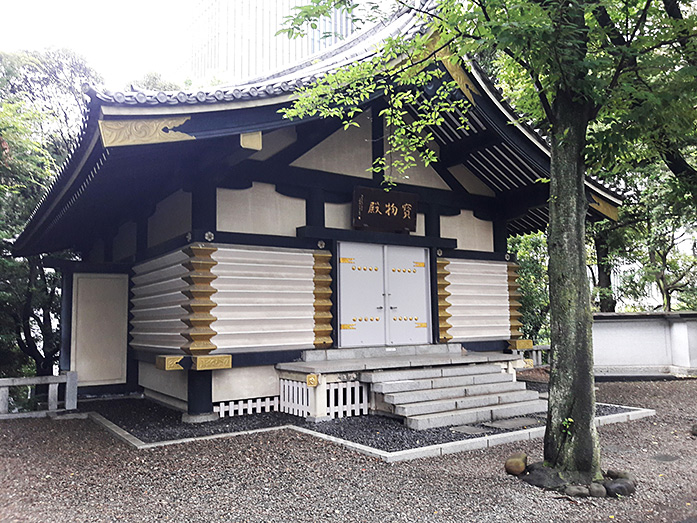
x=458, y=152
x=513, y=204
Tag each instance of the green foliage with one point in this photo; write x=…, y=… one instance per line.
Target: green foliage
x=24, y=162
x=607, y=79
x=661, y=247
x=531, y=252
x=567, y=425
x=41, y=108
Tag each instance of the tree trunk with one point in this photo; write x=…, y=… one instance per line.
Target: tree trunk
x=607, y=299
x=571, y=442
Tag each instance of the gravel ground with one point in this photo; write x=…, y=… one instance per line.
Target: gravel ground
x=151, y=422
x=73, y=470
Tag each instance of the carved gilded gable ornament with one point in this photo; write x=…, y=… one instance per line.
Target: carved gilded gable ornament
x=117, y=133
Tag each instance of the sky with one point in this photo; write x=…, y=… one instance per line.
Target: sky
x=121, y=40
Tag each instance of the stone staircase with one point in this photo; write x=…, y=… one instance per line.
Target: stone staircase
x=428, y=385
x=453, y=395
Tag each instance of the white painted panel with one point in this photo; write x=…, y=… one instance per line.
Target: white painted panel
x=479, y=300
x=265, y=298
x=99, y=328
x=274, y=142
x=244, y=383
x=423, y=176
x=170, y=383
x=470, y=182
x=361, y=295
x=472, y=234
x=407, y=295
x=172, y=218
x=259, y=210
x=346, y=152
x=337, y=215
x=384, y=296
x=420, y=225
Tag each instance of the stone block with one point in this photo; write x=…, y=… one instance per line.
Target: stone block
x=462, y=446
x=492, y=378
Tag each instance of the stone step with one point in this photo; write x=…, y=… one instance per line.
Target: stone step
x=470, y=402
x=380, y=351
x=473, y=376
x=477, y=415
x=504, y=384
x=427, y=373
x=397, y=362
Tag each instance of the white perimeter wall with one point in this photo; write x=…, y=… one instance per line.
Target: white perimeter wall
x=479, y=300
x=650, y=345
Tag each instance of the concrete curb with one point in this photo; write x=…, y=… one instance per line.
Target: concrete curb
x=431, y=451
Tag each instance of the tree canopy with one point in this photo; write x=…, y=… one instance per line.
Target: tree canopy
x=41, y=109
x=605, y=79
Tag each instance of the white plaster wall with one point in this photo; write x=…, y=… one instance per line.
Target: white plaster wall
x=631, y=342
x=172, y=383
x=472, y=234
x=348, y=152
x=99, y=336
x=470, y=182
x=124, y=245
x=479, y=302
x=692, y=342
x=259, y=210
x=172, y=218
x=245, y=383
x=337, y=215
x=422, y=175
x=275, y=142
x=420, y=225
x=655, y=344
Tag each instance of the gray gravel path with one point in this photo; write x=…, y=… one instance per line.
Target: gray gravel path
x=72, y=470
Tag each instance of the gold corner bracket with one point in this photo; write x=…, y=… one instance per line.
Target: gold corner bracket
x=169, y=362
x=119, y=133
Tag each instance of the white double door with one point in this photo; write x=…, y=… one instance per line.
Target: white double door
x=384, y=296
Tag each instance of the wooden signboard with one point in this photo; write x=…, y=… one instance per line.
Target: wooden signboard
x=377, y=209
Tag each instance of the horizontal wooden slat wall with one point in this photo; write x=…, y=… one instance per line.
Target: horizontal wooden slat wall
x=479, y=302
x=156, y=303
x=265, y=298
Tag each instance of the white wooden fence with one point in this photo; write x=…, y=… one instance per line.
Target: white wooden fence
x=347, y=398
x=69, y=378
x=248, y=406
x=344, y=399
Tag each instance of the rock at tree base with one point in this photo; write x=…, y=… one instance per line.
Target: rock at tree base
x=516, y=464
x=622, y=474
x=543, y=477
x=597, y=490
x=577, y=491
x=620, y=487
